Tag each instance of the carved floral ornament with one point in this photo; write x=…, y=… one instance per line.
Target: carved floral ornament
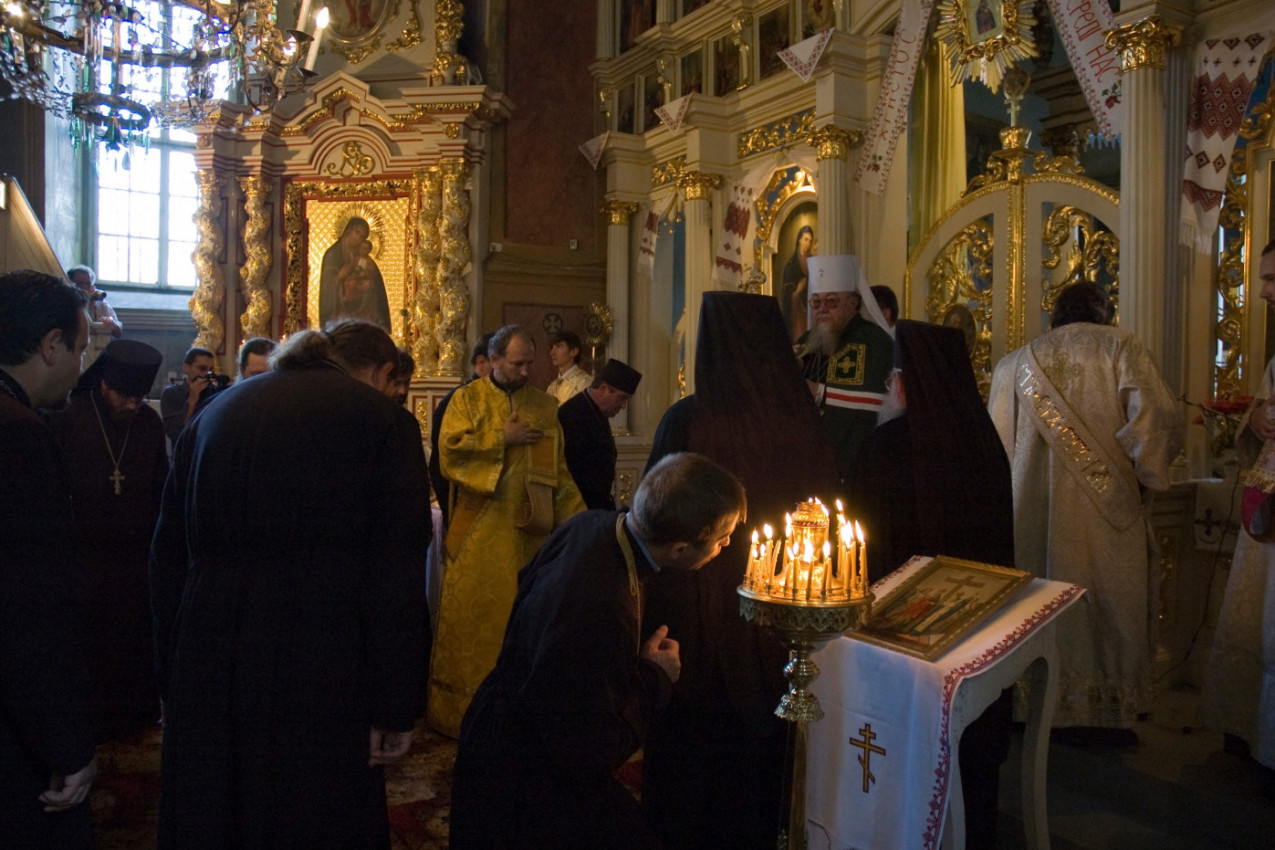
x=1143, y=44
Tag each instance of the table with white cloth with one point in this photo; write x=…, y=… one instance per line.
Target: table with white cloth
x=880, y=771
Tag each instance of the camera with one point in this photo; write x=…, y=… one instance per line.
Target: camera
x=218, y=382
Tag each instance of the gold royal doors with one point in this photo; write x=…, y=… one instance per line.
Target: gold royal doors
x=994, y=263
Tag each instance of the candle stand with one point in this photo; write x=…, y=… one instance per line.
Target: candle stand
x=807, y=600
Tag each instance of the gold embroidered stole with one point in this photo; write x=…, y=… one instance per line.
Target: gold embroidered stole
x=1101, y=472
x=542, y=478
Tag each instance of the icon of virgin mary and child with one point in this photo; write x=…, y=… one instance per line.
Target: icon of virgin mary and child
x=350, y=282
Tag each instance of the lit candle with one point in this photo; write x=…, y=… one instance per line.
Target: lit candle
x=863, y=557
x=320, y=25
x=827, y=568
x=769, y=563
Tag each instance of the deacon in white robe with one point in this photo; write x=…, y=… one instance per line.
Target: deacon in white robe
x=1088, y=424
x=1239, y=688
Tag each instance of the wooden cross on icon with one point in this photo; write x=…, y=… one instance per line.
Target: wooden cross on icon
x=868, y=749
x=968, y=581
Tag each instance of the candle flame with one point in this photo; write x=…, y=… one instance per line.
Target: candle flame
x=827, y=550
x=770, y=532
x=755, y=537
x=858, y=532
x=321, y=19
x=840, y=507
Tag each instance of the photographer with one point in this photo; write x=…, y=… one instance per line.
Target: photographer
x=104, y=325
x=180, y=401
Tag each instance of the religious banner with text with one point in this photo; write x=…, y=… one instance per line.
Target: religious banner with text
x=1082, y=25
x=892, y=101
x=1225, y=73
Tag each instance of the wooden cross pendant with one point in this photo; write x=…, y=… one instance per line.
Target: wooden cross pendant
x=116, y=478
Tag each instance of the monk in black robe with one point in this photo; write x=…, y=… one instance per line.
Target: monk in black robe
x=575, y=685
x=714, y=761
x=934, y=480
x=287, y=582
x=117, y=456
x=46, y=721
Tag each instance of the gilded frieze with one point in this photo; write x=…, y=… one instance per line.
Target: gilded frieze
x=788, y=130
x=668, y=172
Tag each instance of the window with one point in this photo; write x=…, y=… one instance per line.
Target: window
x=144, y=196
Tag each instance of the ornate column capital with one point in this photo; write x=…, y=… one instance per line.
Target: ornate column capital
x=831, y=142
x=1142, y=44
x=697, y=185
x=617, y=211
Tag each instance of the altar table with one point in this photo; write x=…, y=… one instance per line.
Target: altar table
x=880, y=767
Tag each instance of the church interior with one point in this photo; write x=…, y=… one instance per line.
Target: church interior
x=598, y=166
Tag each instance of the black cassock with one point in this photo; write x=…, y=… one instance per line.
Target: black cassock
x=589, y=449
x=114, y=532
x=46, y=724
x=288, y=584
x=567, y=704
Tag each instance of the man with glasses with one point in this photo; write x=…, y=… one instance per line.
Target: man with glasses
x=113, y=442
x=845, y=356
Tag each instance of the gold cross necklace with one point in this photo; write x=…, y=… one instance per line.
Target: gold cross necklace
x=116, y=477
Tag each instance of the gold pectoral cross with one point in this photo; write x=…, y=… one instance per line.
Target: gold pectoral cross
x=116, y=478
x=868, y=749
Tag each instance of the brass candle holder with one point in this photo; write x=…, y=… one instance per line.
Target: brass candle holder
x=795, y=587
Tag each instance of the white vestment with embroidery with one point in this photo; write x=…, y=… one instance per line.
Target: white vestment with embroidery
x=1087, y=423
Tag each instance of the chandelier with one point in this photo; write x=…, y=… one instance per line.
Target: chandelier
x=116, y=70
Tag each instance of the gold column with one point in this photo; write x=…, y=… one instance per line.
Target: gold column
x=255, y=319
x=449, y=23
x=454, y=256
x=697, y=187
x=425, y=309
x=210, y=293
x=1143, y=182
x=832, y=147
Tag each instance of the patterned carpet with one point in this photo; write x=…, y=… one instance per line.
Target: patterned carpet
x=125, y=797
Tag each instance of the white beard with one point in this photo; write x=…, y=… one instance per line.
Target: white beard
x=823, y=339
x=893, y=406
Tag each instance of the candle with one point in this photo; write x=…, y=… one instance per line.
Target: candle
x=769, y=563
x=304, y=17
x=754, y=562
x=863, y=557
x=827, y=568
x=320, y=24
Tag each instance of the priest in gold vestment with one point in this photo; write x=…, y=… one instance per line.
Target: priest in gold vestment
x=1089, y=425
x=502, y=449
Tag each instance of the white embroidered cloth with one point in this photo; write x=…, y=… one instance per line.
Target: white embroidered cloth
x=895, y=710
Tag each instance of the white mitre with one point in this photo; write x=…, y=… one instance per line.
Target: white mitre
x=843, y=273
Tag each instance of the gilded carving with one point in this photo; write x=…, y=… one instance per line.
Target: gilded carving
x=1143, y=44
x=668, y=172
x=426, y=309
x=210, y=293
x=777, y=134
x=453, y=258
x=451, y=131
x=449, y=22
x=1089, y=249
x=979, y=56
x=698, y=185
x=961, y=285
x=833, y=142
x=618, y=212
x=1231, y=272
x=354, y=162
x=255, y=319
x=411, y=33
x=624, y=489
